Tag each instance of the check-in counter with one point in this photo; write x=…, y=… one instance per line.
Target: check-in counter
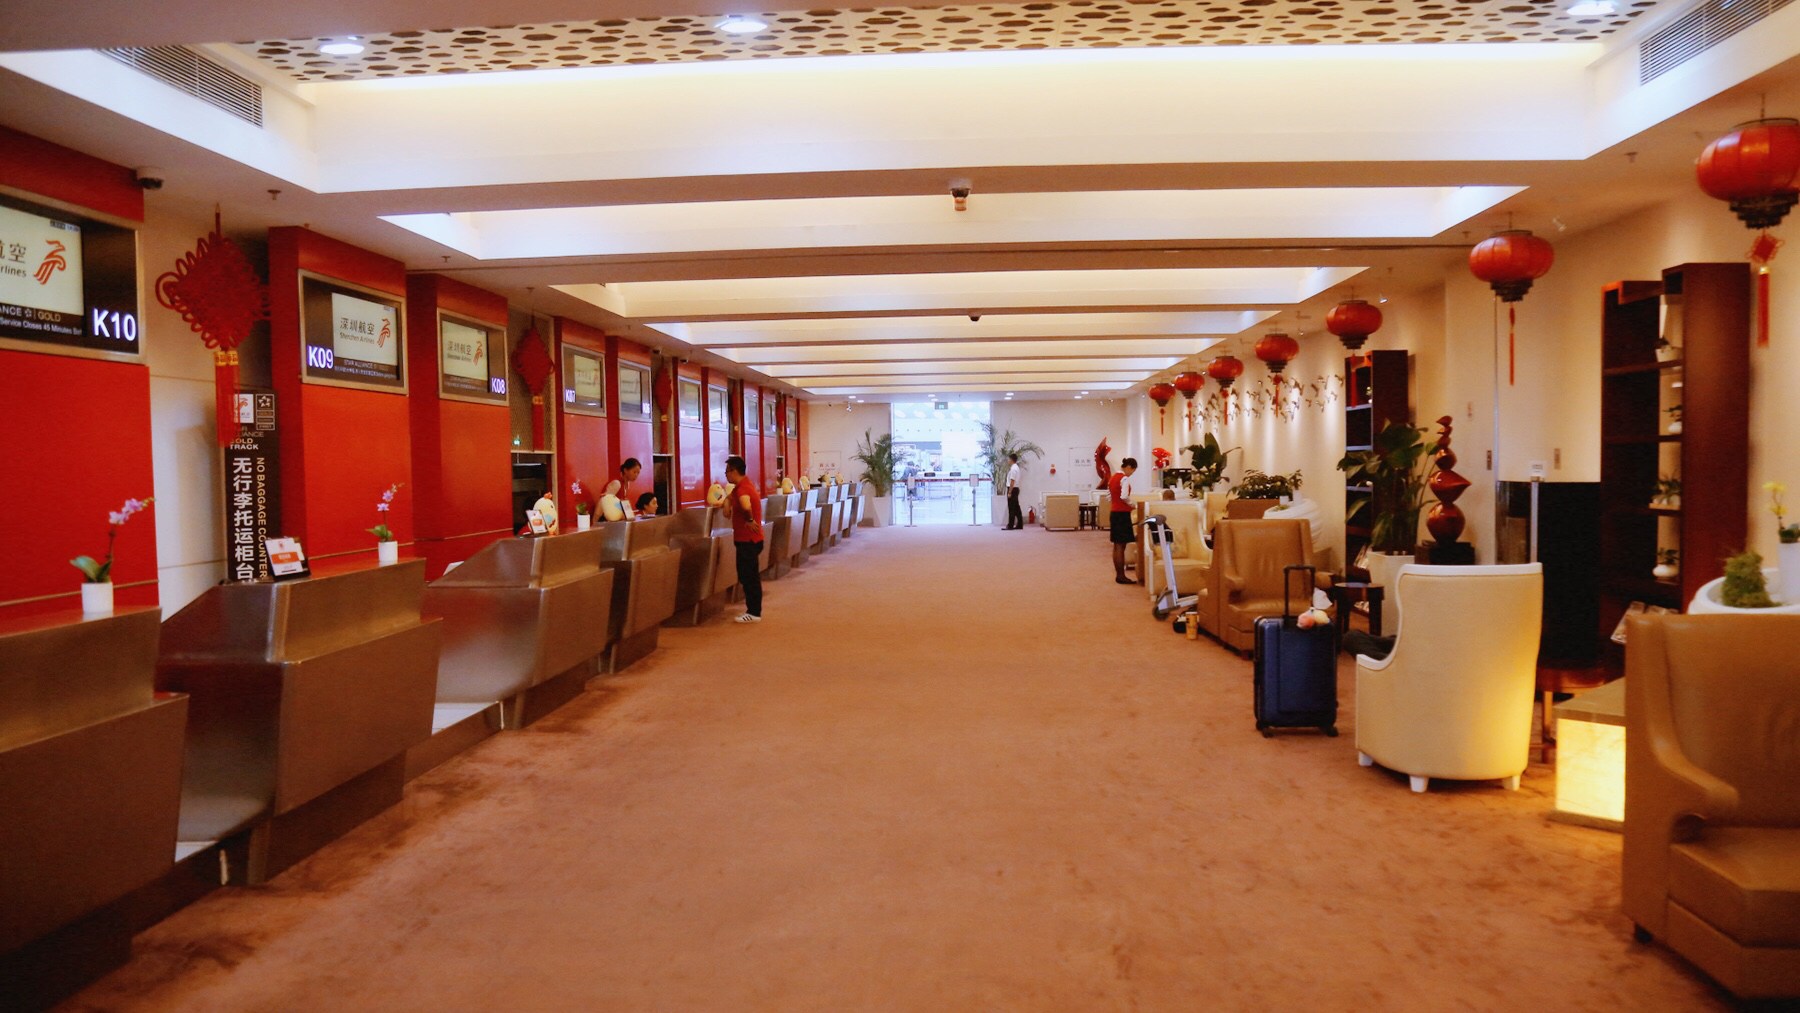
x=519, y=623
x=90, y=771
x=826, y=533
x=853, y=515
x=804, y=505
x=304, y=697
x=708, y=563
x=777, y=528
x=646, y=574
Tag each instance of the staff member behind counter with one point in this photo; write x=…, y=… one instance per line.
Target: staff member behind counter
x=1122, y=534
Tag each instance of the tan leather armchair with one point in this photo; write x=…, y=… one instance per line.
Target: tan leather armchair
x=1712, y=811
x=1062, y=511
x=1453, y=699
x=1193, y=559
x=1246, y=577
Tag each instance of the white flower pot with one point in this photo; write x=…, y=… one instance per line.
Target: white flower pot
x=97, y=599
x=1787, y=565
x=997, y=511
x=387, y=553
x=881, y=511
x=582, y=521
x=1675, y=428
x=1664, y=571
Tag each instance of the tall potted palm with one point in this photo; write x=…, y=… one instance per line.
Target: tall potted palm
x=1397, y=471
x=876, y=455
x=1000, y=448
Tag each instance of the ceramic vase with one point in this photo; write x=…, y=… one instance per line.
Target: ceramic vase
x=97, y=598
x=387, y=553
x=1664, y=571
x=582, y=521
x=1787, y=567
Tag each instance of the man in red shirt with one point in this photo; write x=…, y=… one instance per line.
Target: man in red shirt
x=745, y=504
x=1119, y=485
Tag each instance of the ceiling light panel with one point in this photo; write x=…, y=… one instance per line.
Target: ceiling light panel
x=972, y=388
x=806, y=372
x=873, y=380
x=824, y=223
x=991, y=327
x=937, y=351
x=970, y=291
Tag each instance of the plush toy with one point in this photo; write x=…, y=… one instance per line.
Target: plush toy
x=546, y=508
x=611, y=508
x=787, y=485
x=715, y=495
x=1313, y=617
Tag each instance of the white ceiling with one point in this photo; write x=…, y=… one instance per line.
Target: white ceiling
x=1144, y=186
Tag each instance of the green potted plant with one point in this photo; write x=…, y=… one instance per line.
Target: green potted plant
x=1666, y=564
x=1668, y=492
x=1396, y=470
x=1745, y=587
x=876, y=455
x=1208, y=465
x=1269, y=490
x=96, y=586
x=999, y=448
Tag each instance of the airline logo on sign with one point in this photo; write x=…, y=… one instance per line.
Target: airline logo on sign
x=40, y=264
x=587, y=379
x=363, y=330
x=464, y=350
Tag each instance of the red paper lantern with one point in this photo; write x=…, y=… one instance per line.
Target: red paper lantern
x=1510, y=261
x=1754, y=168
x=1225, y=369
x=1189, y=384
x=1162, y=394
x=1276, y=351
x=1353, y=320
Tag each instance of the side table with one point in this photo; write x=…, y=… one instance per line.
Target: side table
x=1346, y=592
x=1087, y=516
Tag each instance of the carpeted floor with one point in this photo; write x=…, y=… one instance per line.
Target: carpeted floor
x=953, y=769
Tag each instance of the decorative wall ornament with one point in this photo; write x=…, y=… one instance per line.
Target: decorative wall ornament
x=1445, y=520
x=1162, y=394
x=220, y=296
x=1276, y=351
x=1509, y=261
x=1102, y=466
x=531, y=360
x=1189, y=383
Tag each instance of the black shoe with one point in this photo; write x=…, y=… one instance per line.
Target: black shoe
x=1123, y=580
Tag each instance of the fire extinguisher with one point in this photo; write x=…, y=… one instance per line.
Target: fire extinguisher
x=1031, y=516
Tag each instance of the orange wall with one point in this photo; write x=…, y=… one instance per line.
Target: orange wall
x=461, y=451
x=583, y=442
x=340, y=447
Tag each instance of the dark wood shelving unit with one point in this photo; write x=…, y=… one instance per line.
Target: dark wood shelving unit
x=1705, y=310
x=1377, y=390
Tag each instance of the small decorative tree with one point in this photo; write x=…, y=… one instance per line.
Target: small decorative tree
x=1396, y=470
x=1000, y=447
x=876, y=455
x=1209, y=464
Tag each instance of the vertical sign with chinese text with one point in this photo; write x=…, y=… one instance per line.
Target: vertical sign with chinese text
x=252, y=489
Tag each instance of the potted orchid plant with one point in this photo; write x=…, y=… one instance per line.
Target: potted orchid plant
x=97, y=589
x=387, y=549
x=1787, y=562
x=583, y=510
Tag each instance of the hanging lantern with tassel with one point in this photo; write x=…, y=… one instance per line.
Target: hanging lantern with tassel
x=1353, y=320
x=1162, y=394
x=219, y=295
x=531, y=360
x=1225, y=369
x=1276, y=351
x=1509, y=262
x=1189, y=383
x=1755, y=168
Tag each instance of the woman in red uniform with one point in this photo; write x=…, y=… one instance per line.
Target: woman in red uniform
x=1119, y=485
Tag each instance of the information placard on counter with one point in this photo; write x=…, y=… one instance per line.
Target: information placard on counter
x=252, y=488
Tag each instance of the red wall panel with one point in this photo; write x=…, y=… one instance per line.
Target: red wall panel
x=631, y=437
x=340, y=447
x=752, y=427
x=583, y=442
x=801, y=462
x=76, y=440
x=690, y=442
x=771, y=444
x=461, y=451
x=77, y=444
x=718, y=439
x=51, y=170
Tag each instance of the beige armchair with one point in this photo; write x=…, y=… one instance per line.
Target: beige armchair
x=1193, y=560
x=1712, y=815
x=1245, y=581
x=1062, y=511
x=1453, y=699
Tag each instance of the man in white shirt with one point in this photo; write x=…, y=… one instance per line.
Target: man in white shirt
x=1015, y=518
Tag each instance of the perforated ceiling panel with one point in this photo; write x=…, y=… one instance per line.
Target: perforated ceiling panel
x=1077, y=24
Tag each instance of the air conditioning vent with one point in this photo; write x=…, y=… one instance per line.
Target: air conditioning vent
x=205, y=79
x=1707, y=24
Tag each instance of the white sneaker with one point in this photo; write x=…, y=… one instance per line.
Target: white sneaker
x=747, y=618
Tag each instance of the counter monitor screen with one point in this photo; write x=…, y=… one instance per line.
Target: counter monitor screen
x=67, y=281
x=471, y=361
x=351, y=337
x=583, y=381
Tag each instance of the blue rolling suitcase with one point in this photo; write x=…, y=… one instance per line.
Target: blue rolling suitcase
x=1296, y=669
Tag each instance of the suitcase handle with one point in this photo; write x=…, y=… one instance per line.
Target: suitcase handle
x=1287, y=586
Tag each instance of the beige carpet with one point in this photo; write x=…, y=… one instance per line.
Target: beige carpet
x=954, y=769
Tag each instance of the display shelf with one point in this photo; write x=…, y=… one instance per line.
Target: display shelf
x=1626, y=441
x=1644, y=367
x=1377, y=392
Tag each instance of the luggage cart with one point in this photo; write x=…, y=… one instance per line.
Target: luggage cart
x=1162, y=542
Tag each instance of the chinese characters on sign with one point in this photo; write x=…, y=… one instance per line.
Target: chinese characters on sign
x=252, y=489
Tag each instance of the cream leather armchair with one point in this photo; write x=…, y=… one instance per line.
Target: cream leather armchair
x=1193, y=560
x=1062, y=511
x=1712, y=816
x=1246, y=579
x=1453, y=699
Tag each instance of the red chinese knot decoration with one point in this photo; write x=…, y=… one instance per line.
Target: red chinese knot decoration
x=531, y=360
x=1162, y=394
x=1509, y=262
x=1353, y=320
x=1754, y=169
x=219, y=295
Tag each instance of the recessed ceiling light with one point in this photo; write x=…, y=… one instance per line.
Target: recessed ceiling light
x=740, y=24
x=346, y=46
x=1078, y=397
x=1593, y=9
